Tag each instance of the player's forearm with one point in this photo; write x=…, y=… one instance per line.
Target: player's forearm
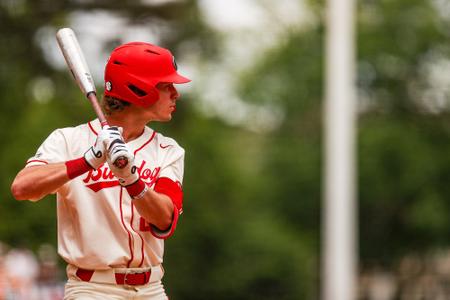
x=33, y=183
x=155, y=208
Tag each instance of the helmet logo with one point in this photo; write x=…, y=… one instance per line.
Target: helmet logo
x=174, y=63
x=108, y=86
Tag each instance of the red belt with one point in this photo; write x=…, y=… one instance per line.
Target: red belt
x=121, y=278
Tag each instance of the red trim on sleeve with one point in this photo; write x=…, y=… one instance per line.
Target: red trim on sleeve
x=157, y=233
x=76, y=167
x=167, y=186
x=173, y=190
x=36, y=160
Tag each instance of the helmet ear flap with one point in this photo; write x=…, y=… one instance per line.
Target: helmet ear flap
x=152, y=96
x=144, y=98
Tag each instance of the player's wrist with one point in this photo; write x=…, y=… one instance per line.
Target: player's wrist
x=77, y=167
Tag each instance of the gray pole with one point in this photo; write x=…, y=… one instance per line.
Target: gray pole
x=339, y=255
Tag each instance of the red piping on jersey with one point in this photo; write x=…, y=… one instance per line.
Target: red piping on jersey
x=146, y=143
x=92, y=128
x=128, y=232
x=142, y=240
x=132, y=206
x=36, y=160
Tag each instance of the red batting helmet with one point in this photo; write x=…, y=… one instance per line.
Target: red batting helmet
x=134, y=69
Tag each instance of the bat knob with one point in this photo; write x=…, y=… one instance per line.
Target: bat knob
x=121, y=162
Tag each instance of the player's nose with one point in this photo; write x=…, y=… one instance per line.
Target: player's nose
x=174, y=94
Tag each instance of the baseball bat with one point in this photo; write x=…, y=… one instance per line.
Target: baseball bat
x=76, y=62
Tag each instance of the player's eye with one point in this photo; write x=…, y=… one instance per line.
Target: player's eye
x=164, y=86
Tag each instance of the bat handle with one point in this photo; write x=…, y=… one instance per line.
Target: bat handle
x=103, y=123
x=122, y=161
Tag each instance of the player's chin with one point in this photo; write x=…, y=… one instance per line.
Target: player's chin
x=165, y=118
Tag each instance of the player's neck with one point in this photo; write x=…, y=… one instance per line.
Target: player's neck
x=132, y=127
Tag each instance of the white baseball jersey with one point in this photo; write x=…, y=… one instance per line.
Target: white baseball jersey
x=98, y=225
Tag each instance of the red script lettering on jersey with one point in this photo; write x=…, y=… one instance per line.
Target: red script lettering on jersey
x=103, y=177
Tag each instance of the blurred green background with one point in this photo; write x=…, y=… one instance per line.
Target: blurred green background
x=251, y=124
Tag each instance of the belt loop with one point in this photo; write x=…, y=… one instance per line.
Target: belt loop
x=125, y=282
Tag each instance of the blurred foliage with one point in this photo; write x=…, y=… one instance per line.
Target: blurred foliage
x=251, y=222
x=403, y=144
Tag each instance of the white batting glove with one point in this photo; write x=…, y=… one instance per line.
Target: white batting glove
x=96, y=155
x=119, y=150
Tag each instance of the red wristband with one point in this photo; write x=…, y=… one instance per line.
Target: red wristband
x=136, y=188
x=76, y=167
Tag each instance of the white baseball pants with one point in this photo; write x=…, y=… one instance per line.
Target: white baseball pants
x=80, y=290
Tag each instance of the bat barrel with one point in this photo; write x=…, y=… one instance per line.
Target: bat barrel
x=74, y=57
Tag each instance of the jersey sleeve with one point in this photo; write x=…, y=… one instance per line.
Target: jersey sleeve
x=52, y=150
x=170, y=184
x=173, y=165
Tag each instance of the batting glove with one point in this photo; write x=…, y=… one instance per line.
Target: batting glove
x=96, y=155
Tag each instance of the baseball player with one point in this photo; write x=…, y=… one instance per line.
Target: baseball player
x=112, y=221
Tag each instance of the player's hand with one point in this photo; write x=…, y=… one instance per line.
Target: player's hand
x=127, y=175
x=96, y=155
